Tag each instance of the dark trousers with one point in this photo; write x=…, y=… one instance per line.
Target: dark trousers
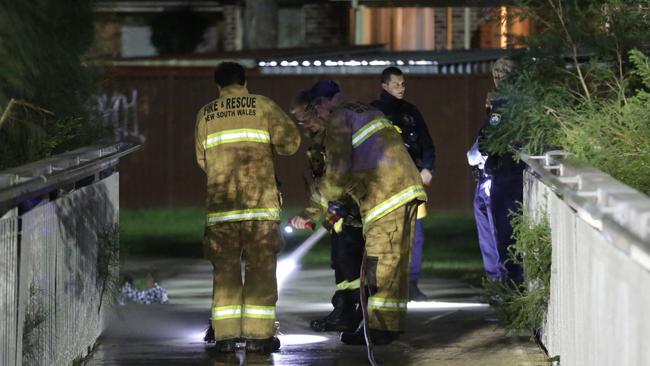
x=505, y=196
x=494, y=268
x=346, y=254
x=416, y=255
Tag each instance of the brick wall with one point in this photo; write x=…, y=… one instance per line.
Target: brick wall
x=440, y=24
x=326, y=24
x=457, y=26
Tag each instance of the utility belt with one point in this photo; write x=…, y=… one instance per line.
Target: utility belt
x=503, y=166
x=353, y=217
x=480, y=174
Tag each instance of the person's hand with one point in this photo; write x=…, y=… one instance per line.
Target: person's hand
x=487, y=187
x=426, y=176
x=299, y=222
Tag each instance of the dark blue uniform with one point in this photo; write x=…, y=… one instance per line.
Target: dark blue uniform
x=492, y=207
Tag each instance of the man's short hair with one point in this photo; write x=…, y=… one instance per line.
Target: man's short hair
x=386, y=74
x=229, y=73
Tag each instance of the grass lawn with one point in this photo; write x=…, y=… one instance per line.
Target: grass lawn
x=450, y=249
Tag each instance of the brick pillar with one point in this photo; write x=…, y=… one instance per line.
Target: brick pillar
x=440, y=26
x=260, y=24
x=326, y=24
x=458, y=28
x=233, y=37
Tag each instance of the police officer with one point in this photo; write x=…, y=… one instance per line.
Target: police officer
x=346, y=236
x=366, y=159
x=421, y=149
x=236, y=137
x=499, y=189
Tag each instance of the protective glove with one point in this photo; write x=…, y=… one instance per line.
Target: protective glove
x=487, y=186
x=336, y=207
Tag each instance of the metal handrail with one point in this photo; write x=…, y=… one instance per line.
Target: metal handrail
x=34, y=179
x=603, y=202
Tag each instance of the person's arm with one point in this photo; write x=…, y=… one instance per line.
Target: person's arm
x=426, y=142
x=315, y=210
x=338, y=150
x=285, y=136
x=200, y=137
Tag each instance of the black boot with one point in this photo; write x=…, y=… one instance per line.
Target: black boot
x=209, y=335
x=377, y=337
x=345, y=316
x=267, y=345
x=226, y=345
x=414, y=292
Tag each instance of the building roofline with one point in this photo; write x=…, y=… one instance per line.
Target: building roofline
x=156, y=6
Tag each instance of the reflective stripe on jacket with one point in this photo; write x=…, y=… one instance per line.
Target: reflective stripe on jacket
x=366, y=158
x=236, y=137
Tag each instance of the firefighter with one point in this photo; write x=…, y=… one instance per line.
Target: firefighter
x=366, y=159
x=236, y=137
x=420, y=146
x=346, y=236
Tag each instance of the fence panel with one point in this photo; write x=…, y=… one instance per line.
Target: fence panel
x=64, y=292
x=8, y=288
x=600, y=267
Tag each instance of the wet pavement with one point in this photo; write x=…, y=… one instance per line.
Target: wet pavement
x=452, y=329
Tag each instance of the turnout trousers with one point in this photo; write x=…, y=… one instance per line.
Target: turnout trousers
x=243, y=307
x=388, y=247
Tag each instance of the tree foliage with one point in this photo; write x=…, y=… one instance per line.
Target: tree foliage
x=581, y=86
x=524, y=307
x=42, y=43
x=41, y=48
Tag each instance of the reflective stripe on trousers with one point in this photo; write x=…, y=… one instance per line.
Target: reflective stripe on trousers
x=386, y=304
x=226, y=312
x=348, y=285
x=246, y=311
x=259, y=312
x=262, y=214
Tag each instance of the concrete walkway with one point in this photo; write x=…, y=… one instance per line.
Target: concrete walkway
x=452, y=330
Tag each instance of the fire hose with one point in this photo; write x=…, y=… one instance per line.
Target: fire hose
x=328, y=224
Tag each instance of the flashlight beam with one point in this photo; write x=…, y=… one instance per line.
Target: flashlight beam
x=287, y=265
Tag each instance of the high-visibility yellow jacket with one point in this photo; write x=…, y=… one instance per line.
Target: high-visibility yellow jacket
x=366, y=159
x=236, y=136
x=317, y=205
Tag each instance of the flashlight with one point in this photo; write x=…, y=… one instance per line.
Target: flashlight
x=308, y=226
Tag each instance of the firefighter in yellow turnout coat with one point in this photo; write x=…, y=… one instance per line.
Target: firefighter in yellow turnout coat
x=366, y=159
x=236, y=137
